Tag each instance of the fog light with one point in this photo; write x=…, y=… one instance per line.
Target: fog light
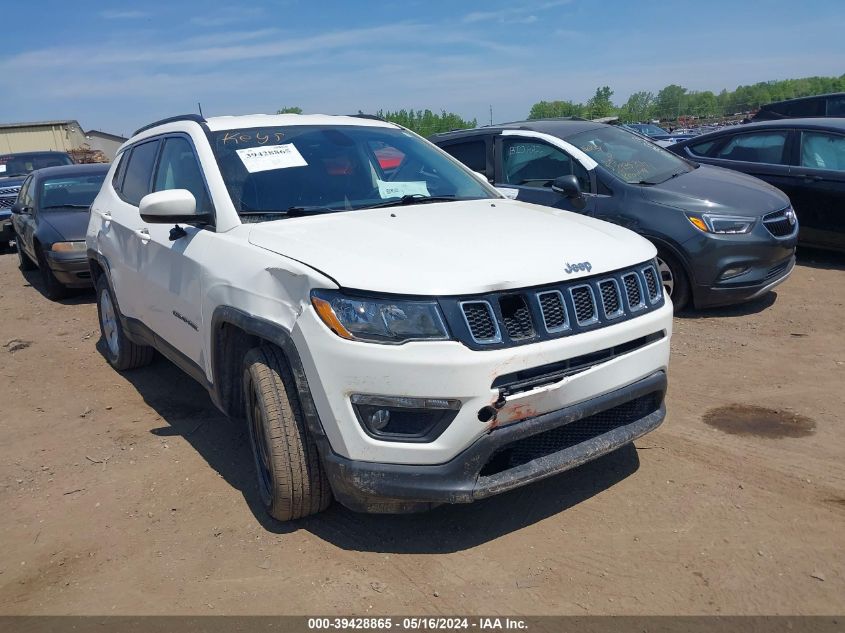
x=402, y=419
x=379, y=419
x=736, y=271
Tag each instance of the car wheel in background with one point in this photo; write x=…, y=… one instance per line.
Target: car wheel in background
x=53, y=288
x=121, y=353
x=291, y=479
x=674, y=279
x=24, y=262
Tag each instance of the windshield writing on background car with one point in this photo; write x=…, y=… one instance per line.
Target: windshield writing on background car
x=296, y=169
x=628, y=156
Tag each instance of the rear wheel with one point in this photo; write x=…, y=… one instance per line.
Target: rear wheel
x=674, y=279
x=291, y=479
x=119, y=351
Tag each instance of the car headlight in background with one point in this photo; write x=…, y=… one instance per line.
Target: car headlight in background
x=722, y=224
x=68, y=247
x=379, y=320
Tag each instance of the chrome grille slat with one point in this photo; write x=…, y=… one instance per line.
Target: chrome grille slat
x=585, y=304
x=633, y=291
x=611, y=300
x=481, y=321
x=553, y=309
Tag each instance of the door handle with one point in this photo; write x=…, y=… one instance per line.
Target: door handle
x=810, y=177
x=144, y=234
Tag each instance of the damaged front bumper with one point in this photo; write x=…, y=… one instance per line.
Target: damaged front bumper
x=506, y=457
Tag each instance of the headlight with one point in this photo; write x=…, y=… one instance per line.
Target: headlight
x=68, y=247
x=723, y=224
x=379, y=320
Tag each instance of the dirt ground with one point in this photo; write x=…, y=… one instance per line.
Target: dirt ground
x=131, y=494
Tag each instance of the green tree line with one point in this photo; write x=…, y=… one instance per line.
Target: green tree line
x=675, y=101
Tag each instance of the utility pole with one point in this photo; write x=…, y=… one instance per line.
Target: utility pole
x=491, y=114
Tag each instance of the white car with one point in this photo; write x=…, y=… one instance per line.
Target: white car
x=396, y=333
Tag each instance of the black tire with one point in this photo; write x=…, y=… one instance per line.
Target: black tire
x=674, y=279
x=24, y=262
x=291, y=479
x=53, y=288
x=121, y=353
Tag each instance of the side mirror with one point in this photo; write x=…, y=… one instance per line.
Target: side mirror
x=20, y=209
x=170, y=207
x=567, y=186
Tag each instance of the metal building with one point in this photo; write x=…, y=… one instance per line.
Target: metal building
x=64, y=136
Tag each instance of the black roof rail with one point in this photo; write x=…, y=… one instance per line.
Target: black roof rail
x=374, y=117
x=196, y=118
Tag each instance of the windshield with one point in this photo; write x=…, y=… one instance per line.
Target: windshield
x=648, y=129
x=295, y=169
x=23, y=164
x=628, y=156
x=69, y=192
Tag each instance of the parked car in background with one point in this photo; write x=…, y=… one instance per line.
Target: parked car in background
x=49, y=219
x=335, y=282
x=650, y=130
x=804, y=158
x=14, y=168
x=829, y=105
x=721, y=237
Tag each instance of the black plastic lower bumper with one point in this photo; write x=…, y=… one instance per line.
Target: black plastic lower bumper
x=472, y=475
x=715, y=296
x=7, y=232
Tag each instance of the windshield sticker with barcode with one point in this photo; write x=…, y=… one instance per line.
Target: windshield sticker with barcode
x=2, y=168
x=270, y=157
x=403, y=188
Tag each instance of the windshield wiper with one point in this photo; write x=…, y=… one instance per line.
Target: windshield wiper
x=411, y=198
x=294, y=211
x=66, y=206
x=658, y=182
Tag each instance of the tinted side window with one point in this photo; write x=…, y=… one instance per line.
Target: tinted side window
x=820, y=150
x=811, y=107
x=178, y=168
x=762, y=147
x=139, y=171
x=473, y=154
x=836, y=106
x=702, y=149
x=117, y=179
x=25, y=193
x=536, y=164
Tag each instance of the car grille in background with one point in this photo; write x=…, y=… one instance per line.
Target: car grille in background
x=775, y=271
x=513, y=318
x=481, y=321
x=549, y=442
x=8, y=195
x=778, y=224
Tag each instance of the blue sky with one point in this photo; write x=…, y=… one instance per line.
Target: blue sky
x=115, y=66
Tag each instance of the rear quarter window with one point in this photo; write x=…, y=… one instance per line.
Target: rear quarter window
x=139, y=172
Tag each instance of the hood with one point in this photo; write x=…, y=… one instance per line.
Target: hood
x=12, y=181
x=452, y=248
x=70, y=225
x=716, y=190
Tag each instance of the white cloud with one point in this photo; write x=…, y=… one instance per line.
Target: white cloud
x=117, y=14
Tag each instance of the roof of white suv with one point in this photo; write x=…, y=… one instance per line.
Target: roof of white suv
x=218, y=123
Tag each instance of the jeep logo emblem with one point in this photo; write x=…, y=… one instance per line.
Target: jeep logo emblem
x=572, y=268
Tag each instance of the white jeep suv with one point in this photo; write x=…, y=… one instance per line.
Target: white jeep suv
x=396, y=333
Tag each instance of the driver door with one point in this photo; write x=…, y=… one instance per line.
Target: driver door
x=526, y=167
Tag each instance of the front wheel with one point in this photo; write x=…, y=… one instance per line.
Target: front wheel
x=291, y=479
x=119, y=351
x=24, y=262
x=53, y=288
x=674, y=279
